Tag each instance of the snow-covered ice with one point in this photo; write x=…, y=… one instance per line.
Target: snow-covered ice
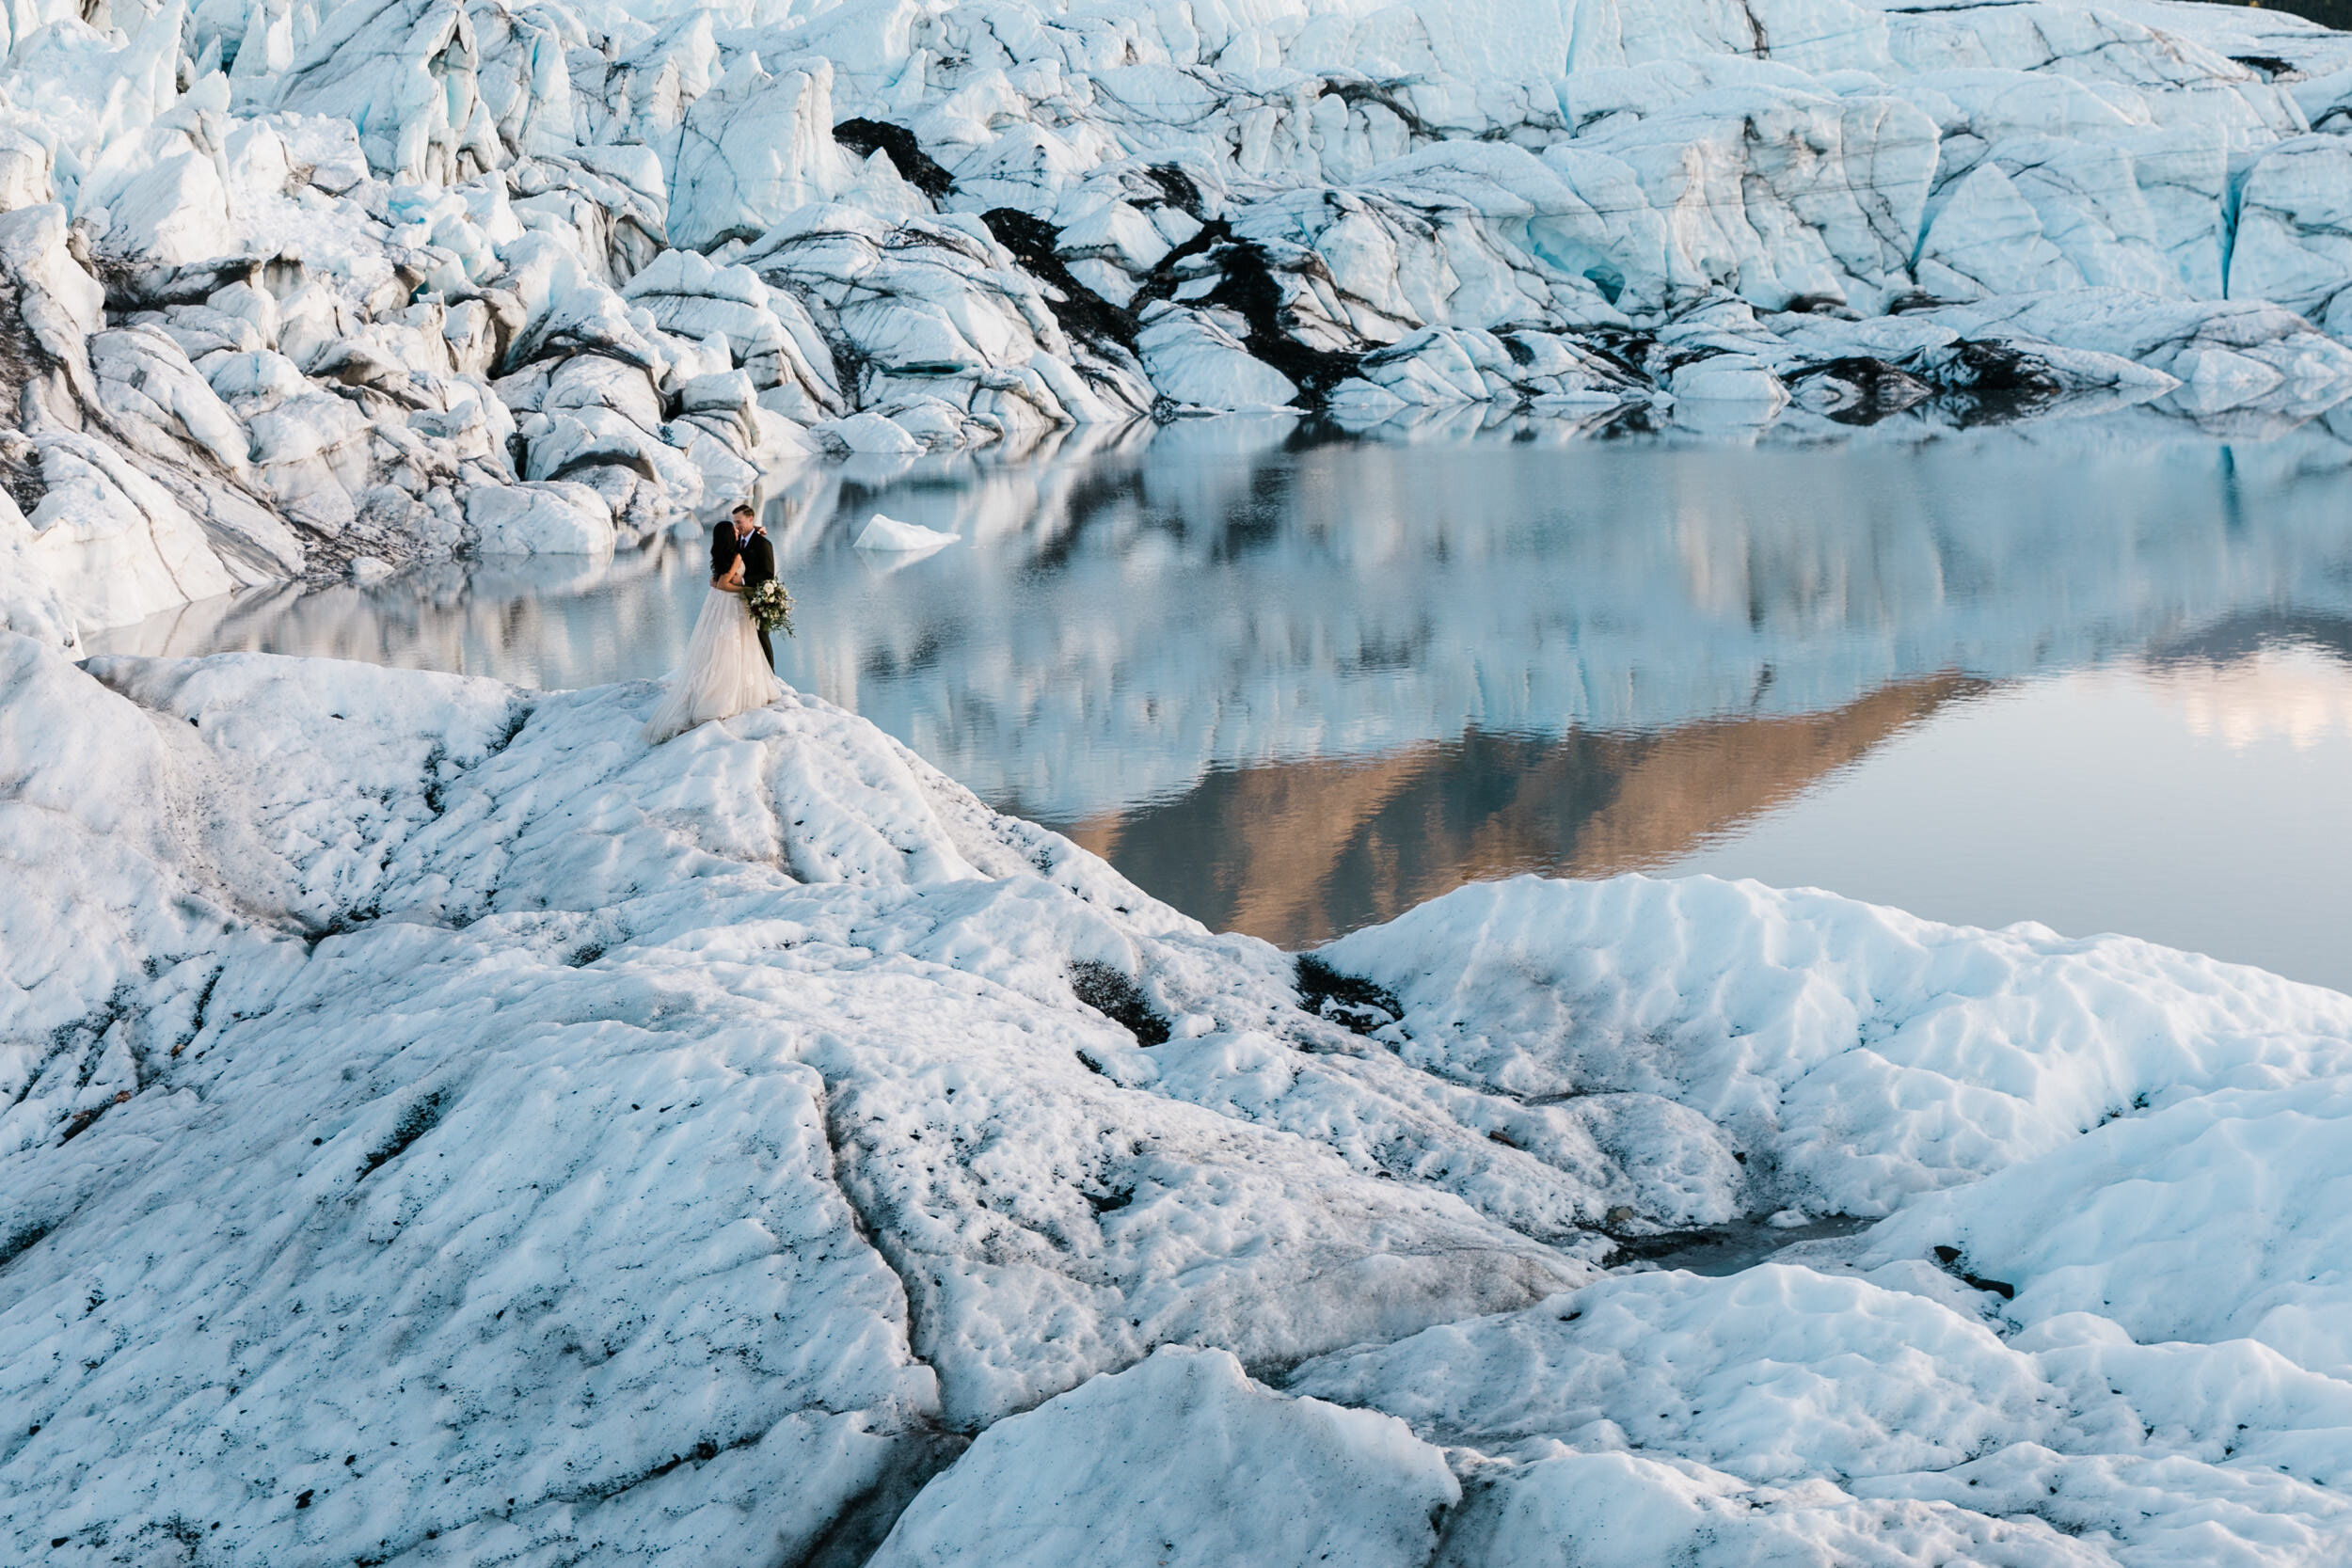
x=1181, y=1459
x=442, y=1130
x=291, y=285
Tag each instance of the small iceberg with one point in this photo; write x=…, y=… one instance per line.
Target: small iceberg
x=889, y=533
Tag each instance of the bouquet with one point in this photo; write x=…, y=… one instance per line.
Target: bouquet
x=771, y=606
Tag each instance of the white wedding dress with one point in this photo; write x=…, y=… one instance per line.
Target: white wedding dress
x=724, y=672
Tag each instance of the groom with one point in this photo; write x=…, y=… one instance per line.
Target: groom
x=740, y=536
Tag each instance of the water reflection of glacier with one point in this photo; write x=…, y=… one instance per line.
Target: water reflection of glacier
x=1211, y=650
x=1123, y=628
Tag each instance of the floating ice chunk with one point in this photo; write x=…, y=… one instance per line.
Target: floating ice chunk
x=890, y=535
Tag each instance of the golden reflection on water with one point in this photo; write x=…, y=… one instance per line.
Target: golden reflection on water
x=2290, y=692
x=1299, y=852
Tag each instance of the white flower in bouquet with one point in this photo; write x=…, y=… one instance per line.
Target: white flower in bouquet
x=771, y=606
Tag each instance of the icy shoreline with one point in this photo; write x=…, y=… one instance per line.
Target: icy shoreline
x=443, y=1131
x=299, y=290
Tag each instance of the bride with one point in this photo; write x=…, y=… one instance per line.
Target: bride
x=726, y=670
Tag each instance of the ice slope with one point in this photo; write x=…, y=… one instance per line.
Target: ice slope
x=440, y=1130
x=295, y=289
x=723, y=1117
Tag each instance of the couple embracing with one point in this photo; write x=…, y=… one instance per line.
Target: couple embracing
x=730, y=665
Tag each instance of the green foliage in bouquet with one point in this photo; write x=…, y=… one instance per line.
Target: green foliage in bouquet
x=771, y=606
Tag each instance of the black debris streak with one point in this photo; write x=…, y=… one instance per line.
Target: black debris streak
x=1950, y=1259
x=2268, y=67
x=1633, y=419
x=1117, y=997
x=915, y=166
x=1345, y=1000
x=23, y=1240
x=82, y=1121
x=1083, y=314
x=1180, y=189
x=1245, y=285
x=1863, y=390
x=1988, y=383
x=1249, y=288
x=1628, y=348
x=1356, y=91
x=856, y=1533
x=415, y=1122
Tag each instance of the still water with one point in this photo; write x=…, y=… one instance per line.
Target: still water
x=2096, y=674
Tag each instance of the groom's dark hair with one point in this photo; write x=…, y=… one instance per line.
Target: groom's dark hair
x=739, y=508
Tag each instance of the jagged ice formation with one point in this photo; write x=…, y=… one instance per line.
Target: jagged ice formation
x=292, y=290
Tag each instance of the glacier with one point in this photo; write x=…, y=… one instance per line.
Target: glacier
x=439, y=1130
x=295, y=291
x=442, y=1131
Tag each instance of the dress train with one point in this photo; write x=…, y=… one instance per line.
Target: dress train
x=723, y=674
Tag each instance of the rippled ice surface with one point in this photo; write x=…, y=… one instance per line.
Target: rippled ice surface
x=2097, y=677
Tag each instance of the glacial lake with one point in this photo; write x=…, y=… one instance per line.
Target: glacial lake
x=2094, y=674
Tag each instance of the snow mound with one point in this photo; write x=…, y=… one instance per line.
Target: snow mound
x=1872, y=1054
x=1183, y=1460
x=890, y=536
x=2242, y=1190
x=440, y=1129
x=1784, y=1414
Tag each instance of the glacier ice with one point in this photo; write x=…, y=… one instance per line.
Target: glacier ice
x=366, y=279
x=442, y=1130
